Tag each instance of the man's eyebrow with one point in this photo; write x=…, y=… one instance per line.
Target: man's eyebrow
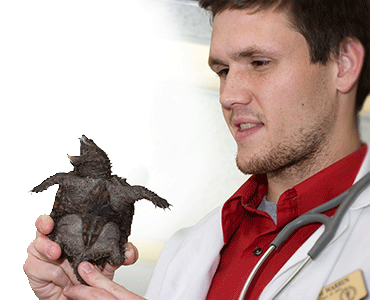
x=245, y=53
x=214, y=62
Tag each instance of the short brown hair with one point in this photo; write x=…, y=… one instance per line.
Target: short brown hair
x=325, y=25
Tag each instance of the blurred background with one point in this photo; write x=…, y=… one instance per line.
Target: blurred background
x=132, y=76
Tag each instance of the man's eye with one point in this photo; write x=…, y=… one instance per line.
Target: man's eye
x=223, y=72
x=260, y=63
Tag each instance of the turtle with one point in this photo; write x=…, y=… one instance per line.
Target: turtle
x=93, y=209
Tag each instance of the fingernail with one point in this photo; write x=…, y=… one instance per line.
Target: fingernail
x=50, y=250
x=41, y=225
x=86, y=268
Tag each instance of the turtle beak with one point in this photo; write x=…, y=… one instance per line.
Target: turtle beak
x=83, y=139
x=71, y=158
x=86, y=141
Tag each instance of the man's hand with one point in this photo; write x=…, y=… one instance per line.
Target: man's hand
x=47, y=273
x=100, y=287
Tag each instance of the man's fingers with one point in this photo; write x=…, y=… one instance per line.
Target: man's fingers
x=132, y=254
x=66, y=267
x=46, y=273
x=43, y=252
x=100, y=287
x=44, y=224
x=108, y=270
x=43, y=248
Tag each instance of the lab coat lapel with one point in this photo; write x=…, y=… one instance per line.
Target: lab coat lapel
x=189, y=261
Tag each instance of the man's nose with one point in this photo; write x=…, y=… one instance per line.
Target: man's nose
x=235, y=89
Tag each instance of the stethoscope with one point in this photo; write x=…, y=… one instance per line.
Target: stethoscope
x=315, y=215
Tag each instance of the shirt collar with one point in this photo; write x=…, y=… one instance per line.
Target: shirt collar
x=296, y=201
x=330, y=182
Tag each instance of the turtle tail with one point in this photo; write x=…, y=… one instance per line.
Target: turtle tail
x=76, y=263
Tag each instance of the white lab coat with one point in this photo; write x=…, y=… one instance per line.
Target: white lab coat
x=190, y=258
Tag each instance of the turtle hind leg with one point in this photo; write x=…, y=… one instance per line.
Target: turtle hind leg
x=106, y=248
x=68, y=234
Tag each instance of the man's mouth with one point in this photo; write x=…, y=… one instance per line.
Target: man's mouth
x=244, y=126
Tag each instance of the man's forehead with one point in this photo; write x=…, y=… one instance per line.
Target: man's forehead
x=232, y=18
x=242, y=32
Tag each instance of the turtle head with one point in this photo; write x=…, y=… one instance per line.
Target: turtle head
x=93, y=162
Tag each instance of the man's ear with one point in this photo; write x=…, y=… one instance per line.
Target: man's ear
x=350, y=62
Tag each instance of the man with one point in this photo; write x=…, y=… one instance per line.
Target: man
x=294, y=75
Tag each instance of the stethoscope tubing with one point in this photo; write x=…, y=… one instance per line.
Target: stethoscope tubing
x=254, y=272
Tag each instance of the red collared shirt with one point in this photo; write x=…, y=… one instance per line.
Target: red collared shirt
x=248, y=232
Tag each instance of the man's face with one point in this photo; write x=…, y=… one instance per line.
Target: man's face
x=279, y=107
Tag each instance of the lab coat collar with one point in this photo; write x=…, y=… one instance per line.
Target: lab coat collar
x=365, y=168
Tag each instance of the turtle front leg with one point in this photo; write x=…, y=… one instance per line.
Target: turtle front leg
x=55, y=179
